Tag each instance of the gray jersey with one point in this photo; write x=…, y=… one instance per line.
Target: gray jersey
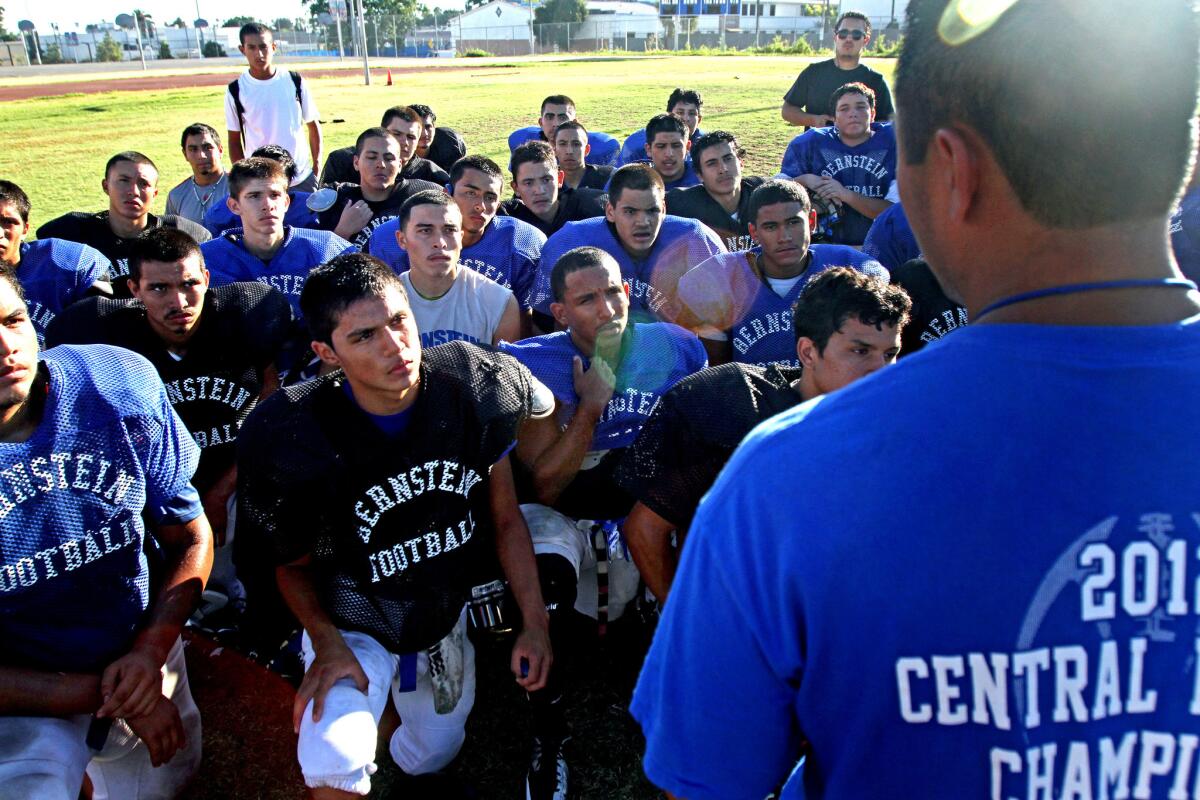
x=471, y=311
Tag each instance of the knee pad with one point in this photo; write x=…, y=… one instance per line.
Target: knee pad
x=559, y=582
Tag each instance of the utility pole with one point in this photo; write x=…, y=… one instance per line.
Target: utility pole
x=362, y=38
x=137, y=27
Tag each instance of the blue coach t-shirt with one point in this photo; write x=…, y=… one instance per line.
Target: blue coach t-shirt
x=74, y=583
x=507, y=253
x=229, y=261
x=890, y=239
x=54, y=273
x=654, y=357
x=1010, y=604
x=681, y=244
x=868, y=169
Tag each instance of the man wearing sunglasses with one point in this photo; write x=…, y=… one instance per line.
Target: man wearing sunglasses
x=807, y=102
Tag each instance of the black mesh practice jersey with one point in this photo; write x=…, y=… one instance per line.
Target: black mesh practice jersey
x=573, y=205
x=399, y=528
x=215, y=384
x=695, y=202
x=339, y=168
x=694, y=430
x=382, y=209
x=93, y=230
x=933, y=313
x=446, y=148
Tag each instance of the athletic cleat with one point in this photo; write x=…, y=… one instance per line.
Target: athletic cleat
x=548, y=777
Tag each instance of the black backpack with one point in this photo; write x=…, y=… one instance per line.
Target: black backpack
x=236, y=92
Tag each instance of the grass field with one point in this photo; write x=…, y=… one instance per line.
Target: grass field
x=55, y=147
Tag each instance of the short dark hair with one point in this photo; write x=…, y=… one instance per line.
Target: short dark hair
x=278, y=153
x=776, y=191
x=161, y=244
x=664, y=123
x=339, y=283
x=851, y=88
x=684, y=96
x=858, y=15
x=425, y=111
x=635, y=177
x=9, y=275
x=199, y=129
x=570, y=125
x=427, y=197
x=131, y=156
x=535, y=151
x=253, y=29
x=557, y=100
x=11, y=193
x=573, y=261
x=1093, y=165
x=252, y=169
x=713, y=139
x=406, y=113
x=841, y=293
x=476, y=162
x=373, y=133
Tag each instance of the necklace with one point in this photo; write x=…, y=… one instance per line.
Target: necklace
x=1079, y=288
x=212, y=190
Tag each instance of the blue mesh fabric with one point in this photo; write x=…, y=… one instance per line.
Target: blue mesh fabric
x=74, y=583
x=890, y=241
x=54, y=274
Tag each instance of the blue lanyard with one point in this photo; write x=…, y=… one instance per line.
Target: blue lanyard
x=1077, y=288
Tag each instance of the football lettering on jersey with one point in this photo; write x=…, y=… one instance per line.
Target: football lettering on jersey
x=41, y=317
x=397, y=558
x=443, y=336
x=866, y=163
x=118, y=532
x=489, y=271
x=1139, y=594
x=78, y=472
x=752, y=330
x=288, y=284
x=444, y=476
x=205, y=387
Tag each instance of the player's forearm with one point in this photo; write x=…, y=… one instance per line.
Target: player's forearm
x=559, y=464
x=869, y=207
x=649, y=538
x=300, y=593
x=189, y=555
x=808, y=180
x=514, y=548
x=30, y=692
x=793, y=115
x=235, y=147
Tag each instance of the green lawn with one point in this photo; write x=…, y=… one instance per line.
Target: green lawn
x=55, y=147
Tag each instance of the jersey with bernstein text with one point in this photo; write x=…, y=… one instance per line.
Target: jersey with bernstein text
x=54, y=273
x=681, y=245
x=727, y=298
x=74, y=578
x=215, y=384
x=399, y=528
x=507, y=253
x=867, y=169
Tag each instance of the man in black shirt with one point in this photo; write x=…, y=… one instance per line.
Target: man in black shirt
x=362, y=207
x=934, y=314
x=380, y=490
x=406, y=125
x=442, y=146
x=213, y=348
x=847, y=325
x=131, y=183
x=541, y=199
x=807, y=102
x=722, y=199
x=571, y=148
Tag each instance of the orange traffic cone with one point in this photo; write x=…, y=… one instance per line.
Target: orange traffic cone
x=389, y=83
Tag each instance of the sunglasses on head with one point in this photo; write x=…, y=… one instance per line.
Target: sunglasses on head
x=847, y=33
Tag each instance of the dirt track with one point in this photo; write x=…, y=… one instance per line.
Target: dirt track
x=25, y=92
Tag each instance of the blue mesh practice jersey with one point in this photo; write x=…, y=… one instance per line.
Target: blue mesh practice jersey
x=219, y=218
x=507, y=253
x=681, y=245
x=890, y=240
x=74, y=580
x=54, y=274
x=654, y=357
x=229, y=261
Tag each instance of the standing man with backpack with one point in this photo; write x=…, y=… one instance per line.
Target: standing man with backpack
x=268, y=106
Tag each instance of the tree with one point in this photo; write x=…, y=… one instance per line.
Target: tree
x=108, y=49
x=237, y=22
x=474, y=4
x=282, y=24
x=5, y=36
x=213, y=50
x=178, y=23
x=164, y=50
x=560, y=11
